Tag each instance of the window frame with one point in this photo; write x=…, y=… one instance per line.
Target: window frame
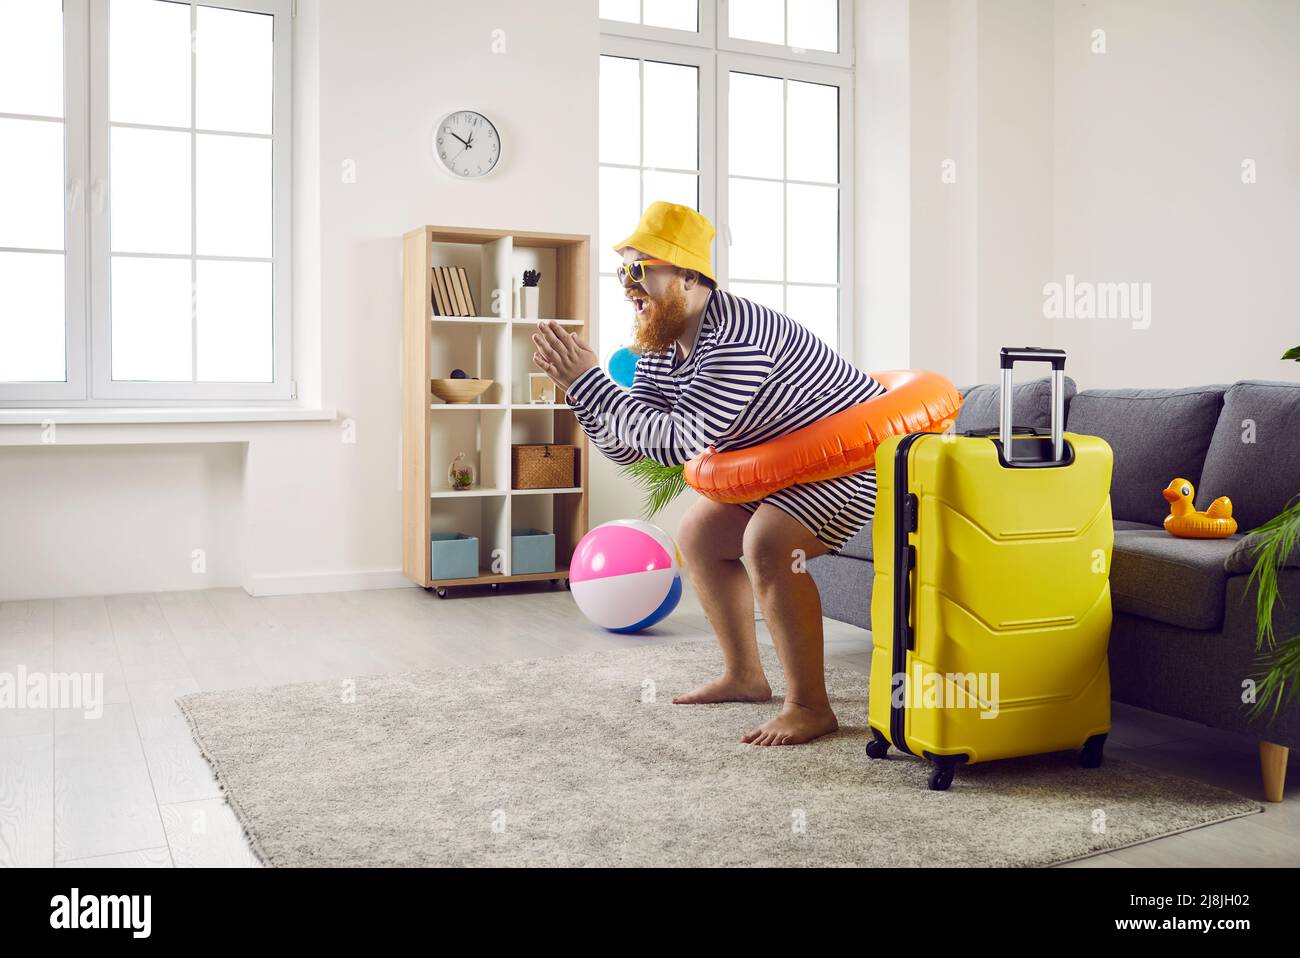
x=76, y=86
x=703, y=36
x=280, y=387
x=704, y=62
x=87, y=307
x=842, y=58
x=624, y=39
x=811, y=73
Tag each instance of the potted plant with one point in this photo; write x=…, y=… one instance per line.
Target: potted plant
x=460, y=474
x=530, y=295
x=1276, y=540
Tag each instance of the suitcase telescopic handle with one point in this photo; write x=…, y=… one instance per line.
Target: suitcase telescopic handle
x=996, y=431
x=1033, y=354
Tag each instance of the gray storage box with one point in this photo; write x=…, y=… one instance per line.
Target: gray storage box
x=532, y=550
x=455, y=556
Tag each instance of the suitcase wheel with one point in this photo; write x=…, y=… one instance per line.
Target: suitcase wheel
x=940, y=778
x=1090, y=756
x=878, y=747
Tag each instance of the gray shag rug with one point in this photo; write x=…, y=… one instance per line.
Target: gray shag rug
x=584, y=760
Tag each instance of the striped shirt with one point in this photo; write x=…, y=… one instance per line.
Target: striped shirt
x=753, y=375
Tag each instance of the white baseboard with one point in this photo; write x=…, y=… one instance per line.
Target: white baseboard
x=326, y=582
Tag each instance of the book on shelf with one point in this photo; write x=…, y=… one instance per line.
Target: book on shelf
x=448, y=291
x=452, y=295
x=470, y=305
x=457, y=297
x=440, y=303
x=469, y=293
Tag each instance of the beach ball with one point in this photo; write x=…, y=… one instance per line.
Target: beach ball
x=626, y=575
x=622, y=366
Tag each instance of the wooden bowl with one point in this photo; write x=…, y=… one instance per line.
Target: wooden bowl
x=459, y=390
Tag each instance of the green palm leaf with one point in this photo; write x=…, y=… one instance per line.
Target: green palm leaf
x=1277, y=538
x=1280, y=683
x=660, y=484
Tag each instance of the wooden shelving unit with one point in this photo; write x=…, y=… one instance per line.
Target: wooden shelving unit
x=496, y=347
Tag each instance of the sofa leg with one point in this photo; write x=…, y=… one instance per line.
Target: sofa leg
x=1272, y=765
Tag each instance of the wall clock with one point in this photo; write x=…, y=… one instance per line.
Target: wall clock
x=466, y=144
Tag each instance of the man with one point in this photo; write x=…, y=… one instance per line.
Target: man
x=719, y=370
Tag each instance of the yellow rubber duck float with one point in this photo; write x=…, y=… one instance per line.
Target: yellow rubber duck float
x=1185, y=522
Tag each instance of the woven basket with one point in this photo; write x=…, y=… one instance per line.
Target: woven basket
x=548, y=466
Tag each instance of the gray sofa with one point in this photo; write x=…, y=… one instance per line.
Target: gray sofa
x=1183, y=638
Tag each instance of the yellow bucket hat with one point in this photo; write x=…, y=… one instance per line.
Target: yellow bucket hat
x=674, y=233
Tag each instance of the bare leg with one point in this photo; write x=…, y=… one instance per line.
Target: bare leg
x=793, y=610
x=711, y=537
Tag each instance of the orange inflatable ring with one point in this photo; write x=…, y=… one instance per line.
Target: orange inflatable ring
x=839, y=445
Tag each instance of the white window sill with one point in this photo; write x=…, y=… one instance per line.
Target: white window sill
x=125, y=415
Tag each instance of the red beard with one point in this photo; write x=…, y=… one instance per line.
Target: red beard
x=663, y=320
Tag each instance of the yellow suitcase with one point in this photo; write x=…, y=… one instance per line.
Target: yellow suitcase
x=990, y=614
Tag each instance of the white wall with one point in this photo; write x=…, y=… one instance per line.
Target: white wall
x=1148, y=146
x=882, y=184
x=84, y=520
x=944, y=214
x=1014, y=180
x=1115, y=167
x=980, y=170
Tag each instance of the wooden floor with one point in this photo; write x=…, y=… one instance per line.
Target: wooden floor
x=130, y=787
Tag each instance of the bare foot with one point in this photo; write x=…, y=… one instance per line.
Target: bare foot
x=728, y=689
x=795, y=725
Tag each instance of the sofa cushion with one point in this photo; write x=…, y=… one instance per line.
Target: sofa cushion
x=1156, y=435
x=1130, y=524
x=1254, y=457
x=1031, y=404
x=1161, y=577
x=1241, y=560
x=859, y=547
x=845, y=588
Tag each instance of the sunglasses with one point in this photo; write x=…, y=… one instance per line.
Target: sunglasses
x=636, y=269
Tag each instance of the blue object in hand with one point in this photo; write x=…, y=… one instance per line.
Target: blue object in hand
x=622, y=366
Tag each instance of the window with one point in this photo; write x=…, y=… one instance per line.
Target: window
x=42, y=251
x=771, y=134
x=671, y=14
x=677, y=21
x=784, y=197
x=810, y=29
x=802, y=25
x=148, y=160
x=649, y=150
